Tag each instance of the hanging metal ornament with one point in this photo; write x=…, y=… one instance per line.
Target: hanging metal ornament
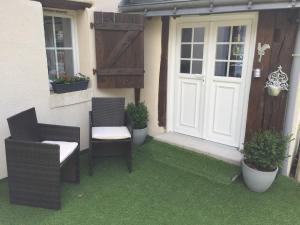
x=261, y=49
x=277, y=81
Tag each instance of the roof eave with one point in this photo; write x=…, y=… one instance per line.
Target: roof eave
x=65, y=4
x=176, y=9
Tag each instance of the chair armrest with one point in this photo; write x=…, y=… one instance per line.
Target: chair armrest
x=90, y=119
x=129, y=124
x=31, y=154
x=90, y=124
x=59, y=133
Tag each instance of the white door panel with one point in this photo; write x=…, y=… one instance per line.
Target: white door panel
x=188, y=107
x=223, y=112
x=189, y=104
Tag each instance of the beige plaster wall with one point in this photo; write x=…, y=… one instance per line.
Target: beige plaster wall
x=106, y=5
x=152, y=47
x=23, y=65
x=23, y=69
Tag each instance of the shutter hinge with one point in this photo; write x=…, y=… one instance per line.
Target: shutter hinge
x=95, y=71
x=92, y=25
x=250, y=4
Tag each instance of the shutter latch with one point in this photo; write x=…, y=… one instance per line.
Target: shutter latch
x=95, y=71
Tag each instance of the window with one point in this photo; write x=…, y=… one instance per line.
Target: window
x=230, y=51
x=59, y=38
x=191, y=56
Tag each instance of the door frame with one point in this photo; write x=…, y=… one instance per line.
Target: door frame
x=253, y=18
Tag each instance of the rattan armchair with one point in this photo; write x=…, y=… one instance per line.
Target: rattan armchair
x=36, y=168
x=108, y=116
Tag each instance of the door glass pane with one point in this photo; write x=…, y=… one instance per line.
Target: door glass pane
x=237, y=52
x=199, y=34
x=51, y=64
x=191, y=52
x=222, y=51
x=221, y=69
x=197, y=67
x=198, y=51
x=185, y=66
x=224, y=34
x=65, y=62
x=48, y=27
x=235, y=69
x=186, y=35
x=238, y=33
x=186, y=50
x=63, y=32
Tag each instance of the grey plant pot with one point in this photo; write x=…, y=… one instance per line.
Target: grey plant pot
x=257, y=181
x=139, y=135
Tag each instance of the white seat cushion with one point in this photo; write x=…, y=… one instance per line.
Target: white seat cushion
x=110, y=133
x=65, y=148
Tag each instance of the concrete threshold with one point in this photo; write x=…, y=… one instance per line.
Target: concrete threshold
x=219, y=151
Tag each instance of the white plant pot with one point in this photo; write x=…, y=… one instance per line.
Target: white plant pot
x=139, y=135
x=274, y=90
x=257, y=181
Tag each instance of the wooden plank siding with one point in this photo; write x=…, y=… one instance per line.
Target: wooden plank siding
x=277, y=28
x=163, y=73
x=119, y=50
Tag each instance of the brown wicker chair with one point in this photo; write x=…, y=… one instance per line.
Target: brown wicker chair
x=35, y=169
x=109, y=114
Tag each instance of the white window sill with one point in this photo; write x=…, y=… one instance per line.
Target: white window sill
x=70, y=98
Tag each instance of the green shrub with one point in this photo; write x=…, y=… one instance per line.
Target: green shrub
x=266, y=150
x=138, y=115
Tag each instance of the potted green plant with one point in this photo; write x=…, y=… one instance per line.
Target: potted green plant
x=67, y=83
x=138, y=114
x=263, y=155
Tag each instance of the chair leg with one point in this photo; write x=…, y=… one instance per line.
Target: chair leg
x=90, y=162
x=129, y=159
x=70, y=171
x=129, y=166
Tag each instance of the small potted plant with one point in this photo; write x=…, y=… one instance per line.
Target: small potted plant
x=263, y=155
x=67, y=83
x=139, y=116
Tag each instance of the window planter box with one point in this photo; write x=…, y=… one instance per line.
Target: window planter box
x=64, y=88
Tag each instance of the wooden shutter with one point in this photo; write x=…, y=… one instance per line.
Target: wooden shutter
x=279, y=29
x=119, y=50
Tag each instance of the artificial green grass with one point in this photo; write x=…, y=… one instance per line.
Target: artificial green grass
x=156, y=193
x=202, y=165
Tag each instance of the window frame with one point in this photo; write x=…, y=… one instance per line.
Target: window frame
x=72, y=16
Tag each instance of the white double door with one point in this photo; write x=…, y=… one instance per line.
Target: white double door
x=210, y=80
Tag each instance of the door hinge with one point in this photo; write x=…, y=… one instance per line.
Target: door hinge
x=95, y=71
x=92, y=25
